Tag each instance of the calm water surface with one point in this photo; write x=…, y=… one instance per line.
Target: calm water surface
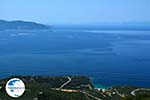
x=108, y=57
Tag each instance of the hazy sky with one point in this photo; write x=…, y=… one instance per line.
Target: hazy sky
x=76, y=11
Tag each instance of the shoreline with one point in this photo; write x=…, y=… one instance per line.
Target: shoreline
x=100, y=86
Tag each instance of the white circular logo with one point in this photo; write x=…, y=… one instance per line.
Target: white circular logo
x=15, y=87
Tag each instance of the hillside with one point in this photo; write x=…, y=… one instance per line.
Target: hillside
x=72, y=88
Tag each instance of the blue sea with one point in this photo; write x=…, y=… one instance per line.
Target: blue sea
x=108, y=57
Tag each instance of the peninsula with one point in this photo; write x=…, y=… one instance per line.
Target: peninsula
x=21, y=25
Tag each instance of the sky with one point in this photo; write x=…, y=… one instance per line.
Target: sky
x=76, y=11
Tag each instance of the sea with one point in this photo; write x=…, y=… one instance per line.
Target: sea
x=108, y=57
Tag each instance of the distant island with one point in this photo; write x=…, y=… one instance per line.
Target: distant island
x=72, y=88
x=21, y=25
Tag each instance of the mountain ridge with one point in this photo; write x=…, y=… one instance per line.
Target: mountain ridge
x=21, y=25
